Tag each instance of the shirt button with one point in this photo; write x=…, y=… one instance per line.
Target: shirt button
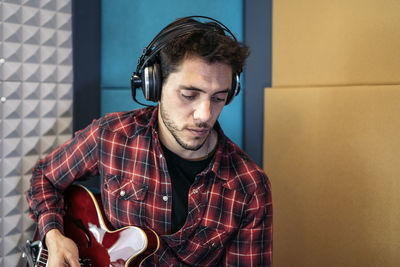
x=161, y=156
x=122, y=193
x=165, y=198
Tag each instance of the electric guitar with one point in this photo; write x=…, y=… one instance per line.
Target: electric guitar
x=98, y=245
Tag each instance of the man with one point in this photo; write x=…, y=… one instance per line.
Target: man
x=170, y=167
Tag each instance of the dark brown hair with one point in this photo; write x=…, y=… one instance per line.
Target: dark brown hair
x=208, y=41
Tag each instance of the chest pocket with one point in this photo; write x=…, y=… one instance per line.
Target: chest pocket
x=123, y=199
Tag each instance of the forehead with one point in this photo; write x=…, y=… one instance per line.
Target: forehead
x=195, y=69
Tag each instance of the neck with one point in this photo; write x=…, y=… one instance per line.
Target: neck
x=206, y=149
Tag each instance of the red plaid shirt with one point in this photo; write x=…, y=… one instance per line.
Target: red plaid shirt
x=229, y=218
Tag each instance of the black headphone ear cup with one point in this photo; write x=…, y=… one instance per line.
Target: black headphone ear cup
x=151, y=77
x=235, y=89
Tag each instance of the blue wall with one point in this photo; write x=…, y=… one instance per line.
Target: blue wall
x=128, y=26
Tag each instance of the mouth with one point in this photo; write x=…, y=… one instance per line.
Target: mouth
x=199, y=132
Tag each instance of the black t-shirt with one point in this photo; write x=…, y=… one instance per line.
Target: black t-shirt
x=183, y=173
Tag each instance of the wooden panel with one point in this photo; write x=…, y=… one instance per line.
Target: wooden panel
x=333, y=157
x=344, y=42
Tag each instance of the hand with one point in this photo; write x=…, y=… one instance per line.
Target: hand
x=62, y=250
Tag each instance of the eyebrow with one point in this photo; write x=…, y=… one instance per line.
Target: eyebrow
x=192, y=88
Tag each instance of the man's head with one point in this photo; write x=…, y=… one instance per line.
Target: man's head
x=185, y=37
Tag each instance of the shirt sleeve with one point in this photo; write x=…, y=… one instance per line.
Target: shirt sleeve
x=76, y=158
x=252, y=246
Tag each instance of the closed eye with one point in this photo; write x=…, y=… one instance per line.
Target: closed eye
x=218, y=99
x=191, y=93
x=188, y=97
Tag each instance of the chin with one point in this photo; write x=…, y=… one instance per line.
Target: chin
x=194, y=145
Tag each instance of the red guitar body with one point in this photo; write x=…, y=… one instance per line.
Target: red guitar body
x=97, y=243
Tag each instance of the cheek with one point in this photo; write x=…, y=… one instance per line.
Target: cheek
x=176, y=110
x=217, y=111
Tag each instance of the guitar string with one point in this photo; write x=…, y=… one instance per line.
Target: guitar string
x=41, y=263
x=44, y=259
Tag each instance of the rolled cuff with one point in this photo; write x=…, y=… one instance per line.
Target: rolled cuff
x=48, y=221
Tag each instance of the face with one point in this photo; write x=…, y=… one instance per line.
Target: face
x=192, y=99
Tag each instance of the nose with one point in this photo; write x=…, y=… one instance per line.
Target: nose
x=202, y=112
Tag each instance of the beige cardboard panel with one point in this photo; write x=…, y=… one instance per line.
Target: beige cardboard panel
x=344, y=42
x=333, y=157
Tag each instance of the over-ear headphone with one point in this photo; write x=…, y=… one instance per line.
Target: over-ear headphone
x=148, y=71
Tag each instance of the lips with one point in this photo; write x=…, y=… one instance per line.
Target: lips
x=199, y=132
